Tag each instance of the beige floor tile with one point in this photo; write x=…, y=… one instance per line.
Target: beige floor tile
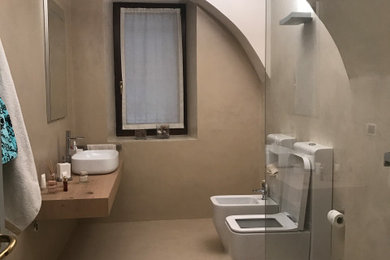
x=193, y=239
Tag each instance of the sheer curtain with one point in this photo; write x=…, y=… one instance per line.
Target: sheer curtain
x=152, y=68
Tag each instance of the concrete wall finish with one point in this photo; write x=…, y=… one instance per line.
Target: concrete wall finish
x=162, y=179
x=311, y=97
x=22, y=34
x=224, y=156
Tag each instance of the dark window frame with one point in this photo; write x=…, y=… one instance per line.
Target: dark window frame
x=118, y=68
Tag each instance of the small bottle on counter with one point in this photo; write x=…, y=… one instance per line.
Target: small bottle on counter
x=83, y=177
x=65, y=182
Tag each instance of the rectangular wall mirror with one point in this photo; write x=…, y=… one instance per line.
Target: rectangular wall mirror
x=55, y=60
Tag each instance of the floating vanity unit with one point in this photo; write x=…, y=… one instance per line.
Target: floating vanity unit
x=83, y=200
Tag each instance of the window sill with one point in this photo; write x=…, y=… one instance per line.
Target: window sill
x=131, y=139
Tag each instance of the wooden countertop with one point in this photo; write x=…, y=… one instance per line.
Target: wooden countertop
x=82, y=200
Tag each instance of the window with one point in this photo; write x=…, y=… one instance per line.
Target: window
x=150, y=80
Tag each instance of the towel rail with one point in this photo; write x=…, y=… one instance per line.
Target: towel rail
x=11, y=245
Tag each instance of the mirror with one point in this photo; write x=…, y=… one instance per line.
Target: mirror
x=55, y=61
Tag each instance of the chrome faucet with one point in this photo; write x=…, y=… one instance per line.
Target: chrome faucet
x=264, y=190
x=71, y=145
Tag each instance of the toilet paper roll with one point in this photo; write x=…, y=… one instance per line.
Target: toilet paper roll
x=336, y=218
x=272, y=169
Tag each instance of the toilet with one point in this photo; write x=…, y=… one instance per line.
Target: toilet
x=278, y=148
x=300, y=230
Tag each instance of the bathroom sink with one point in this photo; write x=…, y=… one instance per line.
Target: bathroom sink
x=95, y=161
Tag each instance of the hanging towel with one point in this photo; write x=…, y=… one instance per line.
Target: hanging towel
x=22, y=195
x=9, y=147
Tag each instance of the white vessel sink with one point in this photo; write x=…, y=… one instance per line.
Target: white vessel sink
x=95, y=161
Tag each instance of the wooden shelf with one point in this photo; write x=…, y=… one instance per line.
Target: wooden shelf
x=82, y=200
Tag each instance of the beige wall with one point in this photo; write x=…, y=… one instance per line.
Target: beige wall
x=311, y=97
x=363, y=43
x=364, y=46
x=168, y=179
x=21, y=31
x=250, y=18
x=162, y=179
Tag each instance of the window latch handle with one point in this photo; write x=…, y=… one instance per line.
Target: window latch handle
x=121, y=86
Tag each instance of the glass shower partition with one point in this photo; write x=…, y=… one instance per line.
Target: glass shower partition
x=297, y=104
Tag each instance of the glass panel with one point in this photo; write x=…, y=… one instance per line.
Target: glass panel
x=152, y=68
x=329, y=83
x=300, y=56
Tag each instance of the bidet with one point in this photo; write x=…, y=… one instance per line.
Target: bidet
x=226, y=205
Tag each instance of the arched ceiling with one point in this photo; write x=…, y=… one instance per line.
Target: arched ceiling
x=247, y=22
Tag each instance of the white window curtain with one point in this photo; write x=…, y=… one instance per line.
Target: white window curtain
x=152, y=68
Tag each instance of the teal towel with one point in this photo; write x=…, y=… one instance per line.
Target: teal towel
x=9, y=148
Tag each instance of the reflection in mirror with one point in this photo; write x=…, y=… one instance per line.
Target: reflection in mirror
x=56, y=61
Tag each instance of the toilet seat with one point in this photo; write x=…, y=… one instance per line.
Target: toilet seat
x=280, y=222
